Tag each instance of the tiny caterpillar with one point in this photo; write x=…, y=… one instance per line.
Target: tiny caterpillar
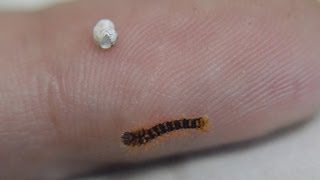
x=143, y=136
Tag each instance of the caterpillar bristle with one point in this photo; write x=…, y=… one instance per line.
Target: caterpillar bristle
x=143, y=136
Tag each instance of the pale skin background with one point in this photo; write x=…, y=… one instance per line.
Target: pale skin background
x=252, y=66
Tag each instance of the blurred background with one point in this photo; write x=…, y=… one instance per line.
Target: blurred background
x=27, y=4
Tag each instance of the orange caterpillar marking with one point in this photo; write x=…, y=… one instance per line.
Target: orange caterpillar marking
x=143, y=136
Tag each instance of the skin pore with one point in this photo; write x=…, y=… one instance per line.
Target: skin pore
x=252, y=66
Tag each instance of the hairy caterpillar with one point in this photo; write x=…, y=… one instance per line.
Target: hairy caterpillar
x=143, y=136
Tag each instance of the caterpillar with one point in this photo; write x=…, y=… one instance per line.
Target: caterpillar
x=143, y=136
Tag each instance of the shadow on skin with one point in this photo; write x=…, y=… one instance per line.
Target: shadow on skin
x=117, y=170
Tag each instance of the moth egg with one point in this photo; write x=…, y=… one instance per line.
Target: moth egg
x=104, y=33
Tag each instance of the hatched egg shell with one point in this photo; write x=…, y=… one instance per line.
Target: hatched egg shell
x=104, y=33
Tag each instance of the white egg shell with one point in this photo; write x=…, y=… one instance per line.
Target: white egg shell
x=104, y=33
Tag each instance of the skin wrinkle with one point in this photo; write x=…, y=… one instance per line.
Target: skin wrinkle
x=232, y=83
x=52, y=109
x=56, y=97
x=256, y=87
x=170, y=76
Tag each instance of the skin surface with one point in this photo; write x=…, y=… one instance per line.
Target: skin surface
x=252, y=66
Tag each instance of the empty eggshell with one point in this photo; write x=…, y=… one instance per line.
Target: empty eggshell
x=104, y=33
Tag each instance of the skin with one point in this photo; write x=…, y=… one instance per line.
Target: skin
x=252, y=66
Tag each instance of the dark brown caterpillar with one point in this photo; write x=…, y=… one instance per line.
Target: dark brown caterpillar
x=143, y=136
